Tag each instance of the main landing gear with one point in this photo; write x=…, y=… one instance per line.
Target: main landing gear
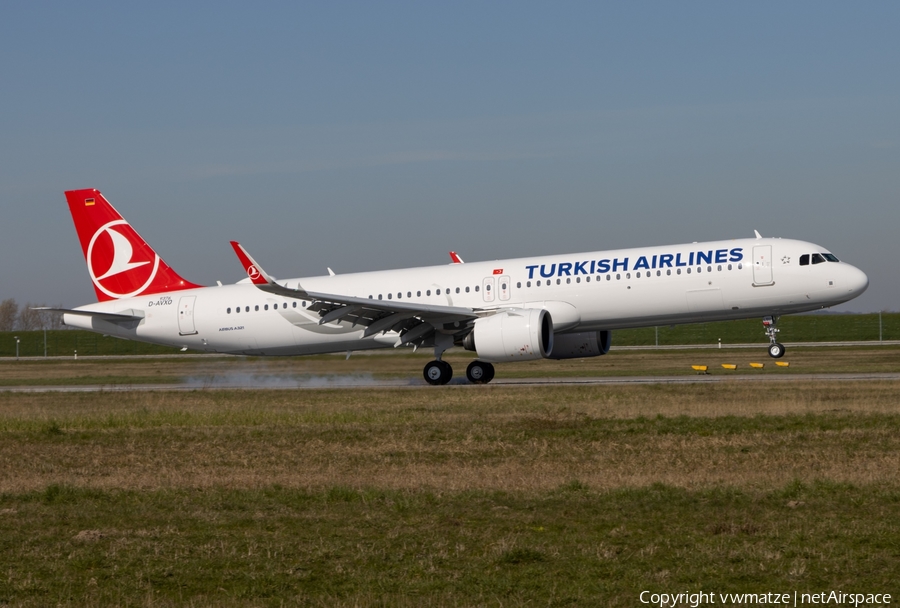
x=776, y=350
x=440, y=372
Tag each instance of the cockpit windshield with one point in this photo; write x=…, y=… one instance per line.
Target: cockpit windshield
x=817, y=258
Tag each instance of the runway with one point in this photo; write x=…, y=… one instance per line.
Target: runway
x=367, y=382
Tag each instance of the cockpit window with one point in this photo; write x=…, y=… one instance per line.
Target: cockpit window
x=817, y=258
x=831, y=257
x=804, y=259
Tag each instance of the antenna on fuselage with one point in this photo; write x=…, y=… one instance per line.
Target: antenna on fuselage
x=758, y=235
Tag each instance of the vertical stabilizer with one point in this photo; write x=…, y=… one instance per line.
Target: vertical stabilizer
x=120, y=263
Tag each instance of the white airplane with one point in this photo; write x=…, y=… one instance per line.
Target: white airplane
x=556, y=307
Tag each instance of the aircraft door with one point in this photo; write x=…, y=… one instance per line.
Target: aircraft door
x=762, y=265
x=487, y=289
x=503, y=287
x=186, y=315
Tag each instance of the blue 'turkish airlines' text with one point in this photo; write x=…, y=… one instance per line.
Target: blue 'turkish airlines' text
x=648, y=262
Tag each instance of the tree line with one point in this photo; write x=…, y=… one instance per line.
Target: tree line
x=25, y=318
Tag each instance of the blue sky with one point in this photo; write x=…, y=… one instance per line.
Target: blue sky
x=365, y=135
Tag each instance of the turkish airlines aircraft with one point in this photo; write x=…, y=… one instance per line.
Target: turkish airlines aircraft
x=556, y=307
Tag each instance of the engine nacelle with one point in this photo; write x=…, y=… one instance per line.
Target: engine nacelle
x=514, y=335
x=580, y=345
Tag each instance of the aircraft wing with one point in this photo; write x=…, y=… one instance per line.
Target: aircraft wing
x=414, y=321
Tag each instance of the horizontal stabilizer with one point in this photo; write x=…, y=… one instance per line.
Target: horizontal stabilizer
x=124, y=315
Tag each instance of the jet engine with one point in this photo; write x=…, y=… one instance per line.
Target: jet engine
x=513, y=335
x=580, y=345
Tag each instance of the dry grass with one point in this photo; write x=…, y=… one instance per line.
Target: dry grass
x=511, y=439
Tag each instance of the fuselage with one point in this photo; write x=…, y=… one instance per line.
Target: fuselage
x=601, y=290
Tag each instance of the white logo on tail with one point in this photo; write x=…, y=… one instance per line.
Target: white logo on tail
x=123, y=260
x=122, y=253
x=252, y=272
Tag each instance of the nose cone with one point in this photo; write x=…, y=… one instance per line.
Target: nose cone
x=855, y=281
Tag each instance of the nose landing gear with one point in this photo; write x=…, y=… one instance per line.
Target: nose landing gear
x=776, y=349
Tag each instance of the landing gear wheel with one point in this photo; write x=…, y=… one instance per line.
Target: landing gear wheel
x=479, y=372
x=776, y=350
x=438, y=372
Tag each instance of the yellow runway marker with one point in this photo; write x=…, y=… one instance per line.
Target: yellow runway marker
x=700, y=368
x=729, y=366
x=758, y=365
x=783, y=363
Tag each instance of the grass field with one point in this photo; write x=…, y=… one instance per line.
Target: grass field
x=447, y=496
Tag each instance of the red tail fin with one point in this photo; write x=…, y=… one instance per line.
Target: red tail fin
x=121, y=264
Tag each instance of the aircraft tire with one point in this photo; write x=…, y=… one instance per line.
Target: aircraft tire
x=437, y=372
x=479, y=372
x=776, y=350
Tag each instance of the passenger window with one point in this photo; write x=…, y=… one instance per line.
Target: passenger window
x=228, y=310
x=720, y=268
x=568, y=281
x=659, y=273
x=518, y=286
x=558, y=281
x=418, y=294
x=437, y=292
x=637, y=275
x=538, y=283
x=379, y=297
x=740, y=266
x=390, y=296
x=399, y=295
x=246, y=309
x=678, y=271
x=627, y=275
x=587, y=279
x=467, y=288
x=699, y=269
x=294, y=303
x=428, y=293
x=304, y=302
x=578, y=279
x=237, y=310
x=457, y=290
x=618, y=277
x=709, y=268
x=609, y=277
x=408, y=294
x=487, y=287
x=804, y=259
x=669, y=272
x=266, y=307
x=476, y=289
x=528, y=284
x=729, y=267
